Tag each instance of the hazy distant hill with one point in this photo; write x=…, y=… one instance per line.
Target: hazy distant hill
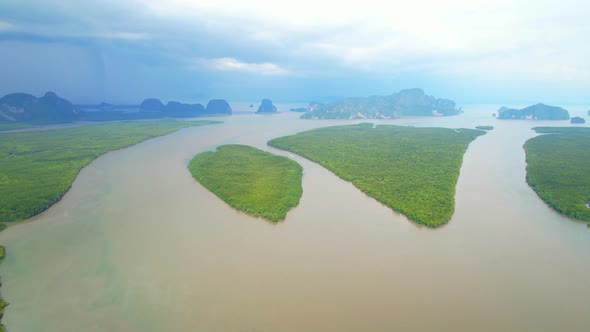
x=406, y=102
x=153, y=108
x=266, y=106
x=174, y=106
x=151, y=105
x=577, y=120
x=26, y=108
x=534, y=112
x=218, y=106
x=155, y=105
x=23, y=107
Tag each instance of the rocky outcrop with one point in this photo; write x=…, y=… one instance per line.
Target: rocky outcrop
x=151, y=105
x=412, y=102
x=266, y=106
x=155, y=105
x=218, y=106
x=23, y=107
x=534, y=112
x=577, y=120
x=176, y=107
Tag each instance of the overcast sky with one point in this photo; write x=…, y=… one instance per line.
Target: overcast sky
x=472, y=51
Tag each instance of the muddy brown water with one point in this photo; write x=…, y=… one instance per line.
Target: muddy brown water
x=138, y=245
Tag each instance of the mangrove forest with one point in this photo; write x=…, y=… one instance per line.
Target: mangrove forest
x=250, y=180
x=558, y=169
x=38, y=167
x=412, y=170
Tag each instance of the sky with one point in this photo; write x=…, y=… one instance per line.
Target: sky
x=471, y=51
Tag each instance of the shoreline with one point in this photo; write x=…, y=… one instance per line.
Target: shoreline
x=29, y=219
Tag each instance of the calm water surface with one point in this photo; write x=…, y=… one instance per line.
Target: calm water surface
x=138, y=245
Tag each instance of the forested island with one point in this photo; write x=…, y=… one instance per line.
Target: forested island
x=250, y=180
x=412, y=170
x=558, y=169
x=534, y=112
x=485, y=127
x=404, y=103
x=38, y=167
x=577, y=120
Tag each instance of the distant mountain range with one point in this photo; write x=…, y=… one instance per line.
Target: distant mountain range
x=411, y=102
x=214, y=107
x=49, y=109
x=23, y=107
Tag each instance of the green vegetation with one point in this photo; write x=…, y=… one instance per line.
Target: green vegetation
x=484, y=127
x=38, y=167
x=412, y=170
x=558, y=169
x=250, y=180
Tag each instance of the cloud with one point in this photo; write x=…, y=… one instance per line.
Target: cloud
x=389, y=36
x=6, y=26
x=234, y=65
x=379, y=45
x=119, y=35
